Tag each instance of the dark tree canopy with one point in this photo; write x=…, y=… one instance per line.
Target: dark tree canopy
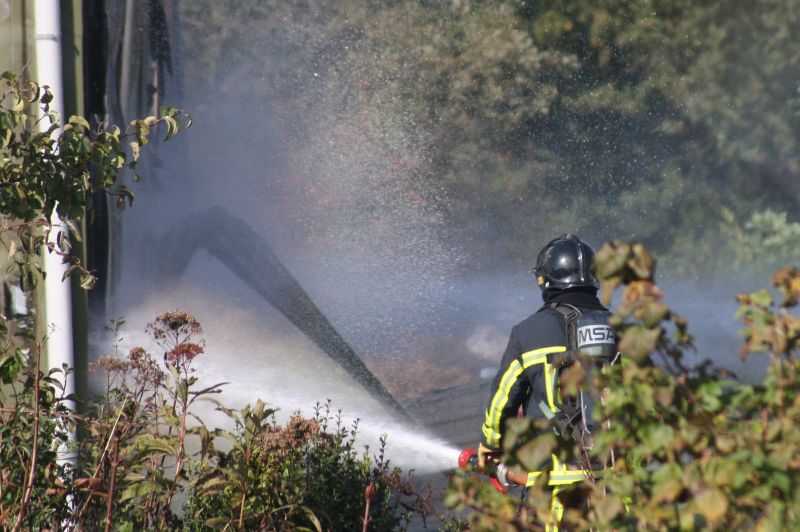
x=648, y=120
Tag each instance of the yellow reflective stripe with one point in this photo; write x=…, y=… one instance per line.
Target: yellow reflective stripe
x=556, y=510
x=490, y=435
x=549, y=384
x=491, y=427
x=538, y=356
x=492, y=424
x=563, y=478
x=561, y=474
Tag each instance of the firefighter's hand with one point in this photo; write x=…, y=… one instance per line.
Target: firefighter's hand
x=486, y=455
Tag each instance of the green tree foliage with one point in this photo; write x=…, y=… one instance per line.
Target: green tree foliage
x=608, y=118
x=766, y=240
x=690, y=447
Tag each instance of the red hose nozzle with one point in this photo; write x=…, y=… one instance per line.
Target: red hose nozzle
x=468, y=457
x=468, y=460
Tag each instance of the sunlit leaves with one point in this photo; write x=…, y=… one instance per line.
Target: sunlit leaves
x=638, y=342
x=767, y=329
x=535, y=453
x=713, y=504
x=44, y=165
x=692, y=448
x=787, y=281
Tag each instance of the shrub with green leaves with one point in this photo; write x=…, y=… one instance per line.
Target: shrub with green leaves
x=34, y=423
x=49, y=164
x=687, y=447
x=143, y=449
x=133, y=456
x=305, y=475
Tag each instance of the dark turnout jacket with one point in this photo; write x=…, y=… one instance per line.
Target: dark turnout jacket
x=526, y=376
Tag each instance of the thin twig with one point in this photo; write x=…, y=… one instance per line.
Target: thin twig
x=179, y=459
x=101, y=459
x=112, y=483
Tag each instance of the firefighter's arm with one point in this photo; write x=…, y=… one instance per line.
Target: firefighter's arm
x=509, y=390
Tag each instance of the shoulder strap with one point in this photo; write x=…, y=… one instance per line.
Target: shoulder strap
x=570, y=316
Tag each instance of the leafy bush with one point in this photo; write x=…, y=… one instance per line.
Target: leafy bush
x=49, y=165
x=34, y=424
x=298, y=476
x=134, y=454
x=690, y=447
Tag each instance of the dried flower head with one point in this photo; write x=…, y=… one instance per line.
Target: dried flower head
x=147, y=368
x=138, y=356
x=281, y=441
x=183, y=353
x=110, y=363
x=174, y=327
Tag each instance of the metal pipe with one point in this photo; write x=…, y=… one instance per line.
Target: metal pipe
x=126, y=61
x=58, y=297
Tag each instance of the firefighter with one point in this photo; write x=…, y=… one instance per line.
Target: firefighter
x=571, y=319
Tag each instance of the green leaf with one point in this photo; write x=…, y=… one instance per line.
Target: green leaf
x=172, y=127
x=637, y=342
x=141, y=489
x=135, y=150
x=667, y=483
x=79, y=121
x=217, y=522
x=641, y=262
x=5, y=137
x=150, y=443
x=654, y=313
x=762, y=298
x=535, y=453
x=608, y=508
x=713, y=504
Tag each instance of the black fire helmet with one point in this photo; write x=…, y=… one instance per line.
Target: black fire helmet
x=565, y=262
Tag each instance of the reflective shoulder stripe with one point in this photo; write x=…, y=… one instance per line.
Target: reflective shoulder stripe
x=539, y=356
x=491, y=428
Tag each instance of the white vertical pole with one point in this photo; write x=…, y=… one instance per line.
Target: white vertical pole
x=58, y=297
